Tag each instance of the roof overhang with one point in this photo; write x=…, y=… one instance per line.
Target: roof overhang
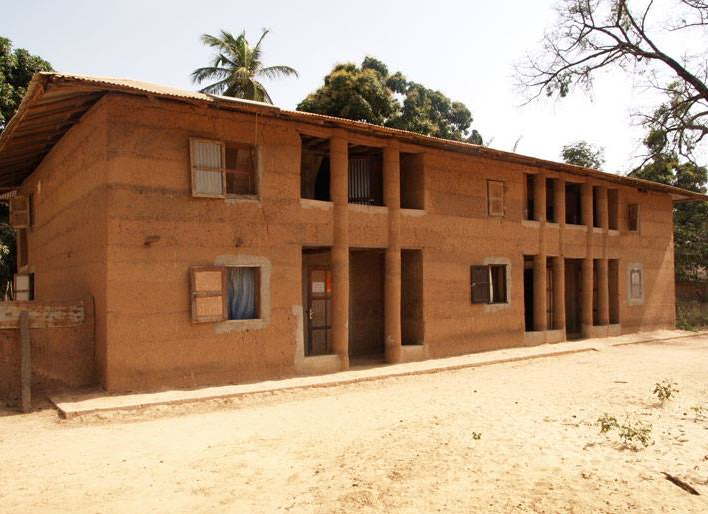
x=55, y=102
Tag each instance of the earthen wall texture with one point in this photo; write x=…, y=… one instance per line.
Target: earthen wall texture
x=67, y=248
x=130, y=174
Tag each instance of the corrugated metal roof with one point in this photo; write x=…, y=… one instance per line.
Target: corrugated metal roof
x=56, y=101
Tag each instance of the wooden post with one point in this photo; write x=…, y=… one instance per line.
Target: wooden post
x=26, y=365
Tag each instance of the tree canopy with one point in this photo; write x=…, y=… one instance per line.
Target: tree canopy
x=690, y=219
x=237, y=68
x=582, y=153
x=16, y=69
x=591, y=36
x=370, y=93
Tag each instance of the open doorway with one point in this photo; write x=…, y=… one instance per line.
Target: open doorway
x=528, y=293
x=573, y=296
x=317, y=300
x=366, y=305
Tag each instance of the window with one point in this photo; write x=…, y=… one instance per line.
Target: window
x=633, y=217
x=366, y=179
x=495, y=198
x=24, y=287
x=220, y=169
x=489, y=284
x=242, y=292
x=19, y=212
x=225, y=293
x=636, y=284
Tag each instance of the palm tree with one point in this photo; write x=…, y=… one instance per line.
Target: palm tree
x=237, y=68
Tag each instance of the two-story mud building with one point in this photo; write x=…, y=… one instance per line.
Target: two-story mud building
x=228, y=241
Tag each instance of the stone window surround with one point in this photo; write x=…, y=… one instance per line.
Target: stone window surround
x=265, y=268
x=493, y=307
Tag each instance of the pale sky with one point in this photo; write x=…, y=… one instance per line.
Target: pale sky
x=466, y=49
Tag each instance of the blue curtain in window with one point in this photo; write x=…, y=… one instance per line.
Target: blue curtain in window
x=241, y=290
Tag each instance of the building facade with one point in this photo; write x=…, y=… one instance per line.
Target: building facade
x=225, y=241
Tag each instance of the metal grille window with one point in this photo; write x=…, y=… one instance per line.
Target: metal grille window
x=360, y=181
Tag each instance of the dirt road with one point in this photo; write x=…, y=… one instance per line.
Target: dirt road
x=517, y=437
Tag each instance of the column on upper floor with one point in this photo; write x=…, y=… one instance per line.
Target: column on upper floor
x=339, y=193
x=392, y=283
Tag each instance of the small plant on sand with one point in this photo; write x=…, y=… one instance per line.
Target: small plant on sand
x=476, y=436
x=632, y=434
x=607, y=423
x=699, y=413
x=665, y=390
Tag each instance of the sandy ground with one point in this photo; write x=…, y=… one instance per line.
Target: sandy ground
x=400, y=445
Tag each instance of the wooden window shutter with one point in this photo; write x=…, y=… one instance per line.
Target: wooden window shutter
x=208, y=289
x=480, y=284
x=23, y=285
x=207, y=165
x=19, y=212
x=495, y=197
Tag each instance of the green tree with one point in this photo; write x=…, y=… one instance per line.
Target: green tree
x=237, y=68
x=370, y=93
x=16, y=69
x=582, y=153
x=690, y=218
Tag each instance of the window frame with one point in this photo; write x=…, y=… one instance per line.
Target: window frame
x=224, y=146
x=635, y=269
x=487, y=286
x=30, y=291
x=490, y=212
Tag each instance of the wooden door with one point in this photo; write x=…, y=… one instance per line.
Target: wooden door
x=319, y=311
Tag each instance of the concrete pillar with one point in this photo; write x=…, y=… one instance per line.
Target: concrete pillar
x=559, y=201
x=559, y=292
x=602, y=208
x=539, y=198
x=587, y=271
x=586, y=300
x=392, y=283
x=603, y=292
x=540, y=306
x=586, y=206
x=339, y=192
